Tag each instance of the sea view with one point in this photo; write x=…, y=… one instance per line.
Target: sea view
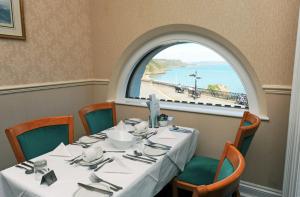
x=210, y=73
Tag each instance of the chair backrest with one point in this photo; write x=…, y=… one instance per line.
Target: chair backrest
x=98, y=117
x=246, y=132
x=37, y=137
x=230, y=168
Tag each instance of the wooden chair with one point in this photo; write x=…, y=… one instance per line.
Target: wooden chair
x=37, y=137
x=226, y=179
x=201, y=170
x=98, y=117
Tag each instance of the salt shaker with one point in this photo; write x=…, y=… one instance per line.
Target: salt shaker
x=40, y=168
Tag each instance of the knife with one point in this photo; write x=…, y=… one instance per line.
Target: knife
x=96, y=189
x=157, y=147
x=136, y=159
x=140, y=157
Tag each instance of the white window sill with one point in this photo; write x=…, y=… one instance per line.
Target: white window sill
x=195, y=108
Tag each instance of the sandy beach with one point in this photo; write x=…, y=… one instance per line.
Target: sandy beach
x=167, y=92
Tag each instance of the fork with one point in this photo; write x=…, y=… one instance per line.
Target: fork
x=81, y=144
x=151, y=134
x=95, y=179
x=158, y=144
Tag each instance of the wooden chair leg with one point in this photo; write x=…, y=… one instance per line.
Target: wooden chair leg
x=174, y=188
x=236, y=193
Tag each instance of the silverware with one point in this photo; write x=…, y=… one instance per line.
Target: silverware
x=94, y=178
x=157, y=147
x=30, y=161
x=100, y=166
x=141, y=154
x=81, y=144
x=140, y=157
x=74, y=158
x=155, y=143
x=92, y=188
x=75, y=161
x=25, y=164
x=151, y=134
x=181, y=130
x=27, y=171
x=91, y=167
x=136, y=159
x=114, y=151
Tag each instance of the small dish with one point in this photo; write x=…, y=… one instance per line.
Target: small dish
x=87, y=140
x=153, y=151
x=85, y=163
x=140, y=133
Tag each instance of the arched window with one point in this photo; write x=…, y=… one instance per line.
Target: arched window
x=187, y=72
x=193, y=70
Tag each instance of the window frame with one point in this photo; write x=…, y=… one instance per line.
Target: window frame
x=171, y=39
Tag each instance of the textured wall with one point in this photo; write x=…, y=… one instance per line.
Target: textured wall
x=263, y=30
x=57, y=48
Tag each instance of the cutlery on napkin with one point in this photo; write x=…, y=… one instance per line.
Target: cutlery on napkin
x=61, y=151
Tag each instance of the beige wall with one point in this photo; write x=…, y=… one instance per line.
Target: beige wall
x=263, y=31
x=57, y=47
x=79, y=39
x=25, y=106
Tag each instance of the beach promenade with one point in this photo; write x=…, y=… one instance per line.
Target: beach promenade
x=163, y=91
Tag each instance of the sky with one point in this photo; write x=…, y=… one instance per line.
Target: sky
x=5, y=4
x=190, y=52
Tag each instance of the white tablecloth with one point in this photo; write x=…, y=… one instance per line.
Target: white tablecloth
x=145, y=180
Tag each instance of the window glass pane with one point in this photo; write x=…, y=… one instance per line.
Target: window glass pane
x=188, y=72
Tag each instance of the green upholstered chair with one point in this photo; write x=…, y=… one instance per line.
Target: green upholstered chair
x=201, y=170
x=227, y=177
x=37, y=137
x=98, y=117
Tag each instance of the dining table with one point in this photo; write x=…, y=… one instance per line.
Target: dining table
x=136, y=178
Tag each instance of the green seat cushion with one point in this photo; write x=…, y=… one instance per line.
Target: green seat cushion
x=99, y=120
x=42, y=140
x=246, y=141
x=226, y=170
x=199, y=171
x=247, y=123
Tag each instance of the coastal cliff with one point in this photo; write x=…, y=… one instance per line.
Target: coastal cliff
x=160, y=66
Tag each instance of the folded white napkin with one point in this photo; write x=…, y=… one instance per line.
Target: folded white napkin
x=166, y=135
x=61, y=151
x=117, y=166
x=121, y=126
x=141, y=126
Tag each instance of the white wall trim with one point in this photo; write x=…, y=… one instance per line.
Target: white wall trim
x=277, y=89
x=194, y=108
x=50, y=85
x=291, y=186
x=248, y=189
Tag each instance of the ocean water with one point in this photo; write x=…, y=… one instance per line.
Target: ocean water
x=210, y=73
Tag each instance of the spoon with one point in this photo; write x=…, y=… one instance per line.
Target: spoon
x=27, y=171
x=91, y=167
x=139, y=154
